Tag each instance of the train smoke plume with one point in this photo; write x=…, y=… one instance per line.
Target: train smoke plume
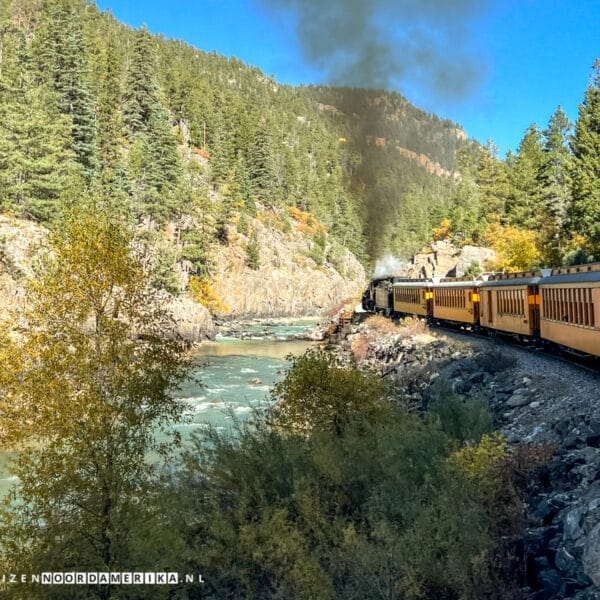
x=390, y=43
x=389, y=265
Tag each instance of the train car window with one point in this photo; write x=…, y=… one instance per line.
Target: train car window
x=571, y=305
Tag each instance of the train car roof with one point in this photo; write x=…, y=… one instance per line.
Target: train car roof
x=586, y=277
x=412, y=283
x=464, y=284
x=516, y=282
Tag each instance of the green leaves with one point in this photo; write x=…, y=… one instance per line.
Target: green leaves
x=85, y=385
x=345, y=497
x=318, y=394
x=585, y=213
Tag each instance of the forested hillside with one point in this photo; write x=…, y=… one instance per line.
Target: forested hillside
x=194, y=147
x=177, y=135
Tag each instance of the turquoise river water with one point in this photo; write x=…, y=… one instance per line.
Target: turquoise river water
x=230, y=378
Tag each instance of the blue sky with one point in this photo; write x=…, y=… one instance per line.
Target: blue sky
x=532, y=55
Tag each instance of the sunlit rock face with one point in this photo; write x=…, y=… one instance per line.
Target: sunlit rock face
x=288, y=281
x=446, y=260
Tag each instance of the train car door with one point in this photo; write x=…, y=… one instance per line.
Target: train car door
x=533, y=294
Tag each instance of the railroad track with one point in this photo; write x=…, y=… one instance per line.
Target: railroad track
x=591, y=364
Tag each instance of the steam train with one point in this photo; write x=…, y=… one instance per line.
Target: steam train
x=552, y=307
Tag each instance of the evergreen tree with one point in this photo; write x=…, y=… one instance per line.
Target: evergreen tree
x=141, y=96
x=110, y=124
x=555, y=182
x=61, y=61
x=35, y=159
x=220, y=146
x=262, y=166
x=493, y=184
x=159, y=168
x=524, y=204
x=585, y=210
x=163, y=166
x=155, y=164
x=253, y=252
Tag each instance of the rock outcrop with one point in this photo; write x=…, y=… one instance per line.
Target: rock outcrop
x=446, y=260
x=288, y=281
x=194, y=322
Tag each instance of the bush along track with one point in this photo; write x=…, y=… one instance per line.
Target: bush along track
x=545, y=414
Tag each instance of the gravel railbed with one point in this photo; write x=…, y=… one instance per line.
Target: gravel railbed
x=558, y=389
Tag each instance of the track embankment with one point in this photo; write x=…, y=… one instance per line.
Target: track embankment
x=535, y=399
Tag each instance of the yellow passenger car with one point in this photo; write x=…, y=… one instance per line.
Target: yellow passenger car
x=510, y=303
x=456, y=300
x=412, y=297
x=570, y=308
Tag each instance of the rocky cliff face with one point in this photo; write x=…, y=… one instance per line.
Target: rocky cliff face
x=21, y=243
x=447, y=260
x=288, y=281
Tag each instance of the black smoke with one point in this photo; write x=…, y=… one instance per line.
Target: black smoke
x=389, y=44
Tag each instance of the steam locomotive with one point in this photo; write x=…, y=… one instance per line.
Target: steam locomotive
x=555, y=307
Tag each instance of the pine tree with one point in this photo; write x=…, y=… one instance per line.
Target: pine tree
x=36, y=165
x=493, y=184
x=220, y=146
x=159, y=168
x=163, y=167
x=253, y=252
x=262, y=166
x=110, y=125
x=141, y=96
x=585, y=210
x=61, y=62
x=524, y=203
x=555, y=183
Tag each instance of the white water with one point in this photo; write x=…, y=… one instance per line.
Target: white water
x=235, y=378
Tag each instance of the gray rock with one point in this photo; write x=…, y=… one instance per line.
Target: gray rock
x=591, y=555
x=575, y=439
x=559, y=501
x=550, y=579
x=517, y=400
x=572, y=523
x=593, y=440
x=565, y=562
x=543, y=510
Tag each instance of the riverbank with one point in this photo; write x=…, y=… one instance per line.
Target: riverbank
x=230, y=377
x=310, y=328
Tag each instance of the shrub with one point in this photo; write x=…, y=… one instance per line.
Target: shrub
x=477, y=462
x=462, y=419
x=412, y=326
x=319, y=394
x=203, y=293
x=381, y=324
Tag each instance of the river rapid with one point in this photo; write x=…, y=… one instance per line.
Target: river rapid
x=229, y=378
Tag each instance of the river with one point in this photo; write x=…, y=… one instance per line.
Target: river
x=230, y=376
